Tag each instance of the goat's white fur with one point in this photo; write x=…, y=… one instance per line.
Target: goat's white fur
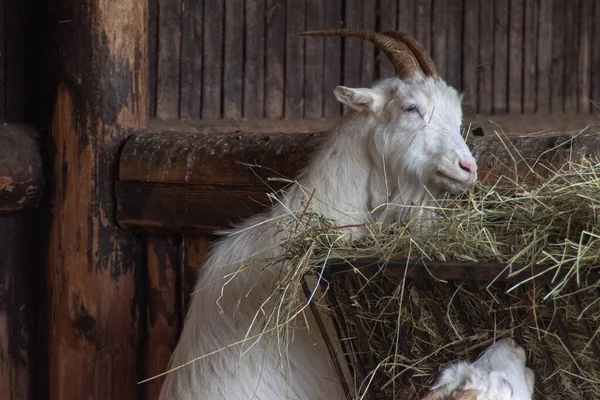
x=383, y=152
x=499, y=374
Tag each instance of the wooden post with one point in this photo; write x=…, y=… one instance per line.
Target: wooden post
x=92, y=264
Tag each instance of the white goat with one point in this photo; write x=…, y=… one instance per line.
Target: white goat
x=499, y=374
x=400, y=145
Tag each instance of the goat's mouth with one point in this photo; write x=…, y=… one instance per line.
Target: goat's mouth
x=453, y=183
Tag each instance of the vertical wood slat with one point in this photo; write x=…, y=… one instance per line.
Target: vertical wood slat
x=530, y=52
x=195, y=253
x=212, y=61
x=163, y=309
x=423, y=23
x=294, y=63
x=439, y=29
x=3, y=32
x=275, y=58
x=332, y=74
x=14, y=26
x=515, y=56
x=470, y=55
x=254, y=74
x=313, y=61
x=558, y=59
x=192, y=24
x=455, y=43
x=169, y=53
x=596, y=60
x=93, y=265
x=153, y=59
x=584, y=55
x=571, y=56
x=406, y=16
x=544, y=56
x=387, y=22
x=233, y=59
x=367, y=57
x=352, y=47
x=486, y=56
x=501, y=60
x=17, y=318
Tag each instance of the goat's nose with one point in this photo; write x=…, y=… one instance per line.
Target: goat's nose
x=468, y=166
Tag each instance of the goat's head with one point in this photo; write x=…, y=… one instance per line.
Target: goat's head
x=499, y=374
x=414, y=120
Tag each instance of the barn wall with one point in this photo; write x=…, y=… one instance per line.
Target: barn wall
x=241, y=58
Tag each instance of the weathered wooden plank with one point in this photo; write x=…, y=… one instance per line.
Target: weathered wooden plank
x=423, y=23
x=352, y=46
x=275, y=58
x=21, y=176
x=571, y=54
x=515, y=56
x=17, y=309
x=254, y=61
x=486, y=57
x=93, y=309
x=501, y=60
x=233, y=62
x=182, y=207
x=195, y=253
x=406, y=16
x=530, y=52
x=471, y=56
x=2, y=62
x=192, y=24
x=439, y=26
x=212, y=61
x=294, y=64
x=314, y=61
x=559, y=9
x=586, y=22
x=455, y=43
x=152, y=55
x=332, y=74
x=387, y=22
x=169, y=53
x=544, y=57
x=596, y=59
x=163, y=315
x=367, y=57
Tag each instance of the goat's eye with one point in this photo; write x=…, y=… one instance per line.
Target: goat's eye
x=410, y=108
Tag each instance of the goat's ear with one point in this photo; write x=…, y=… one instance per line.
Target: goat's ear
x=460, y=394
x=358, y=99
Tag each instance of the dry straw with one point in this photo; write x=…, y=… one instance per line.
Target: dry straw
x=396, y=334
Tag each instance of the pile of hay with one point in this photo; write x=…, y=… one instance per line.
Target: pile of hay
x=396, y=334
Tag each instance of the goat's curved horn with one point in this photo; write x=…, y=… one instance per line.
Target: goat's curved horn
x=397, y=52
x=425, y=61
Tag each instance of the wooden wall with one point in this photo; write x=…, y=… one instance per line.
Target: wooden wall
x=216, y=59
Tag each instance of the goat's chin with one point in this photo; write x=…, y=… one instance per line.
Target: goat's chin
x=450, y=186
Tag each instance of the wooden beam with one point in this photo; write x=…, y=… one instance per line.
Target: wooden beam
x=198, y=182
x=93, y=266
x=21, y=179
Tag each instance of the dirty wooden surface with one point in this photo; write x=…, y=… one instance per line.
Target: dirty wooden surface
x=93, y=266
x=21, y=180
x=199, y=182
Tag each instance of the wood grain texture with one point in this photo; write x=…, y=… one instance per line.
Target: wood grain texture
x=439, y=28
x=294, y=62
x=212, y=61
x=191, y=59
x=92, y=264
x=571, y=54
x=501, y=57
x=530, y=52
x=485, y=67
x=596, y=60
x=17, y=310
x=544, y=56
x=21, y=176
x=455, y=44
x=388, y=19
x=367, y=56
x=407, y=16
x=471, y=56
x=423, y=23
x=254, y=60
x=584, y=52
x=169, y=53
x=332, y=69
x=163, y=317
x=515, y=56
x=557, y=99
x=275, y=59
x=3, y=93
x=314, y=61
x=352, y=47
x=233, y=63
x=153, y=56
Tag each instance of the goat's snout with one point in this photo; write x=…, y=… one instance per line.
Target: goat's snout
x=469, y=167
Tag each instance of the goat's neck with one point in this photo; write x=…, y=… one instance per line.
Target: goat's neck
x=350, y=185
